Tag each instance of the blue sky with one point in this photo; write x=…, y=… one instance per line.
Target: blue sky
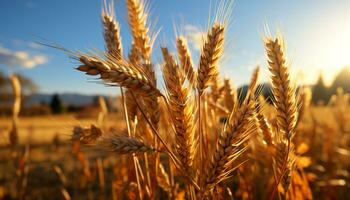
x=316, y=32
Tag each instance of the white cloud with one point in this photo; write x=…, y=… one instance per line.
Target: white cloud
x=26, y=44
x=194, y=36
x=21, y=58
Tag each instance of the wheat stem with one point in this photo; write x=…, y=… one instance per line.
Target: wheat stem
x=129, y=133
x=176, y=161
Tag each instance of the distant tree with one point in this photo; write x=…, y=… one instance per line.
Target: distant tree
x=320, y=91
x=342, y=80
x=56, y=104
x=28, y=87
x=95, y=101
x=263, y=89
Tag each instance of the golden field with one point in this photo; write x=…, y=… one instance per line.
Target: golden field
x=43, y=129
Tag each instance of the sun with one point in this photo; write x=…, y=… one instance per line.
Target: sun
x=330, y=45
x=339, y=49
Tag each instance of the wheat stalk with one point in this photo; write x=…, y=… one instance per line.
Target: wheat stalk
x=103, y=111
x=137, y=17
x=210, y=54
x=163, y=179
x=16, y=90
x=284, y=94
x=130, y=105
x=230, y=144
x=283, y=161
x=138, y=76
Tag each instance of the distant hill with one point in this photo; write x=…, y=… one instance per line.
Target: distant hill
x=342, y=80
x=320, y=92
x=263, y=89
x=67, y=98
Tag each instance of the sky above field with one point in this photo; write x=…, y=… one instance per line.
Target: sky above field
x=317, y=34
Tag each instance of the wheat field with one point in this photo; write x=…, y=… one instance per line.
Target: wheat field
x=198, y=137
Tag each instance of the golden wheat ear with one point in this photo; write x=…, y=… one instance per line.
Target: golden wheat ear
x=137, y=16
x=185, y=60
x=230, y=145
x=285, y=104
x=229, y=95
x=86, y=135
x=254, y=81
x=210, y=54
x=111, y=31
x=265, y=129
x=181, y=106
x=303, y=102
x=124, y=144
x=120, y=73
x=282, y=89
x=119, y=143
x=141, y=51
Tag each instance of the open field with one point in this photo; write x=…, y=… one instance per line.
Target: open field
x=43, y=129
x=58, y=165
